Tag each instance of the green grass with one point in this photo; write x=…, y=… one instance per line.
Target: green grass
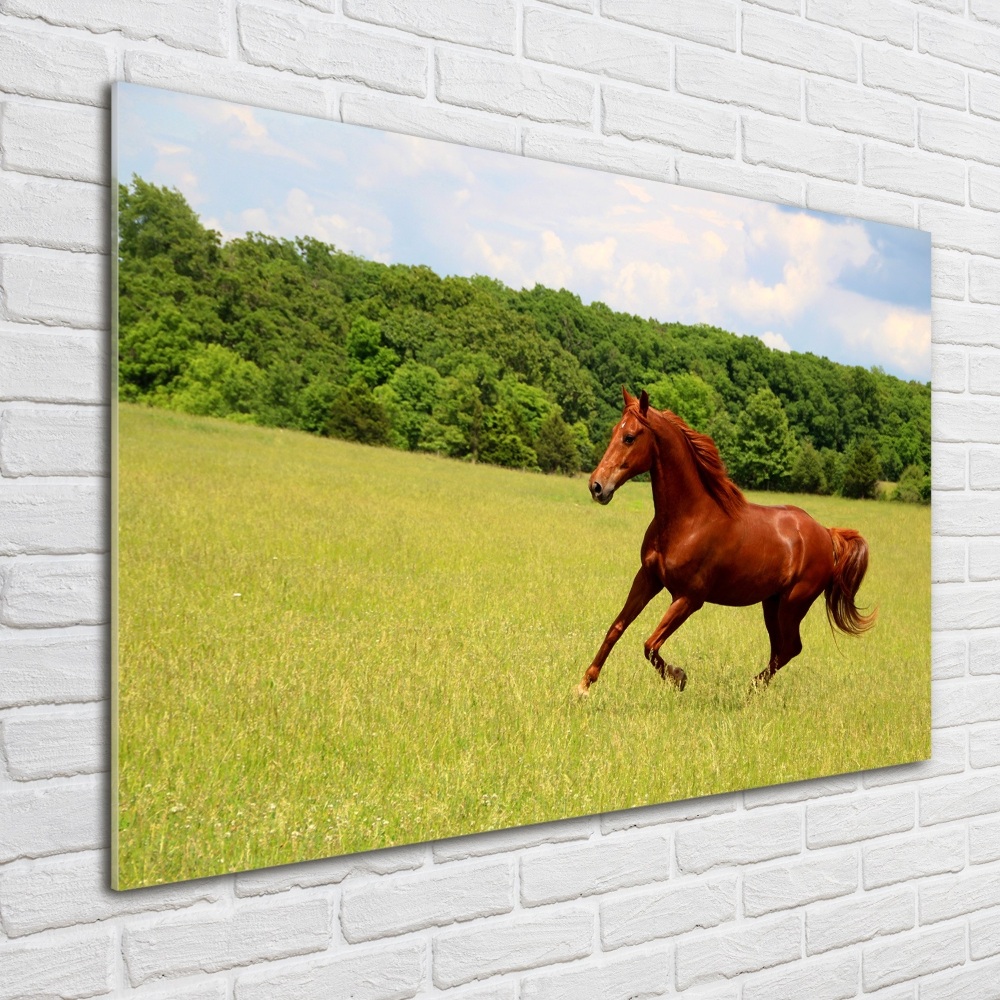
x=327, y=648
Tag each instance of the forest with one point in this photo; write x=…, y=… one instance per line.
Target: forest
x=298, y=334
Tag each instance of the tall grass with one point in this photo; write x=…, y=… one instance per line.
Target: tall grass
x=327, y=648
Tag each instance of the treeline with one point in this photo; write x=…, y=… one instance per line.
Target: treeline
x=294, y=333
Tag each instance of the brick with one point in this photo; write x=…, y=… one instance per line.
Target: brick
x=984, y=280
x=499, y=841
x=511, y=945
x=667, y=911
x=594, y=867
x=329, y=871
x=644, y=975
x=947, y=276
x=958, y=323
x=41, y=592
x=947, y=560
x=966, y=703
x=959, y=42
x=785, y=886
x=755, y=945
x=430, y=121
x=207, y=942
x=192, y=24
x=875, y=19
x=741, y=839
x=669, y=812
x=691, y=127
x=914, y=857
x=984, y=747
x=67, y=966
x=385, y=973
x=731, y=80
x=208, y=990
x=854, y=109
x=902, y=73
x=984, y=654
x=74, y=70
x=72, y=890
x=712, y=22
x=226, y=80
x=486, y=24
x=800, y=147
x=859, y=919
x=52, y=441
x=799, y=791
x=959, y=799
x=948, y=467
x=947, y=756
x=56, y=288
x=53, y=519
x=512, y=88
x=904, y=958
x=39, y=137
x=787, y=6
x=856, y=201
x=57, y=817
x=56, y=744
x=799, y=44
x=985, y=10
x=978, y=412
x=915, y=174
x=63, y=215
x=969, y=981
x=52, y=667
x=984, y=367
x=52, y=366
x=948, y=897
x=636, y=159
x=321, y=47
x=729, y=178
x=965, y=606
x=984, y=468
x=950, y=369
x=984, y=189
x=407, y=903
x=984, y=936
x=827, y=979
x=984, y=96
x=947, y=660
x=984, y=842
x=597, y=47
x=959, y=135
x=859, y=818
x=961, y=229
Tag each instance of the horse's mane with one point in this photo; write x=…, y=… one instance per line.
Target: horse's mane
x=708, y=462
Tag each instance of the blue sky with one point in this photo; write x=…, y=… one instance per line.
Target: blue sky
x=857, y=292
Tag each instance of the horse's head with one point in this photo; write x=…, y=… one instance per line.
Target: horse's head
x=629, y=452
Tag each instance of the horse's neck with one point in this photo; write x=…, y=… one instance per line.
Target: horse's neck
x=677, y=488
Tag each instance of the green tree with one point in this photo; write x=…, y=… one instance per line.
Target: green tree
x=356, y=415
x=500, y=444
x=914, y=486
x=763, y=449
x=807, y=470
x=862, y=470
x=556, y=446
x=833, y=470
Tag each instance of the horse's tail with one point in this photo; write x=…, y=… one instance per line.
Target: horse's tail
x=850, y=557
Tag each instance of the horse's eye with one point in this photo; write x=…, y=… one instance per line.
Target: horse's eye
x=629, y=438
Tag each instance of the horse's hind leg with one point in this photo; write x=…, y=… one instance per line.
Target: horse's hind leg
x=790, y=612
x=677, y=614
x=770, y=606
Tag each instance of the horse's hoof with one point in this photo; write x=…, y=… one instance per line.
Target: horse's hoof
x=582, y=691
x=680, y=679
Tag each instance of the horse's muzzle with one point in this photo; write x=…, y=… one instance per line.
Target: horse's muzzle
x=602, y=494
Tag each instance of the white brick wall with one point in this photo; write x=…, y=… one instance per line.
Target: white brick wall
x=831, y=889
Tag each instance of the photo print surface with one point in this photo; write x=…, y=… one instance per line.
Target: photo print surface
x=369, y=389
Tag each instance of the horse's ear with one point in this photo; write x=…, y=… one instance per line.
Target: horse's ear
x=629, y=398
x=643, y=402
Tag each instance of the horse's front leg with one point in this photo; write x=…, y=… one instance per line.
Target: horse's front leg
x=679, y=611
x=645, y=587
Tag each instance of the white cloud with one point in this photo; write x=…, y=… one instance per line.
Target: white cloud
x=892, y=335
x=775, y=341
x=597, y=256
x=635, y=189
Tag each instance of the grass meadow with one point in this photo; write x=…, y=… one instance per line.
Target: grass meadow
x=327, y=648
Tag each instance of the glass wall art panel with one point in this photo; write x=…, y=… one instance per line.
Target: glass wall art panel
x=457, y=490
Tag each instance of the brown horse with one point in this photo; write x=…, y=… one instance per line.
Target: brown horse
x=707, y=542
